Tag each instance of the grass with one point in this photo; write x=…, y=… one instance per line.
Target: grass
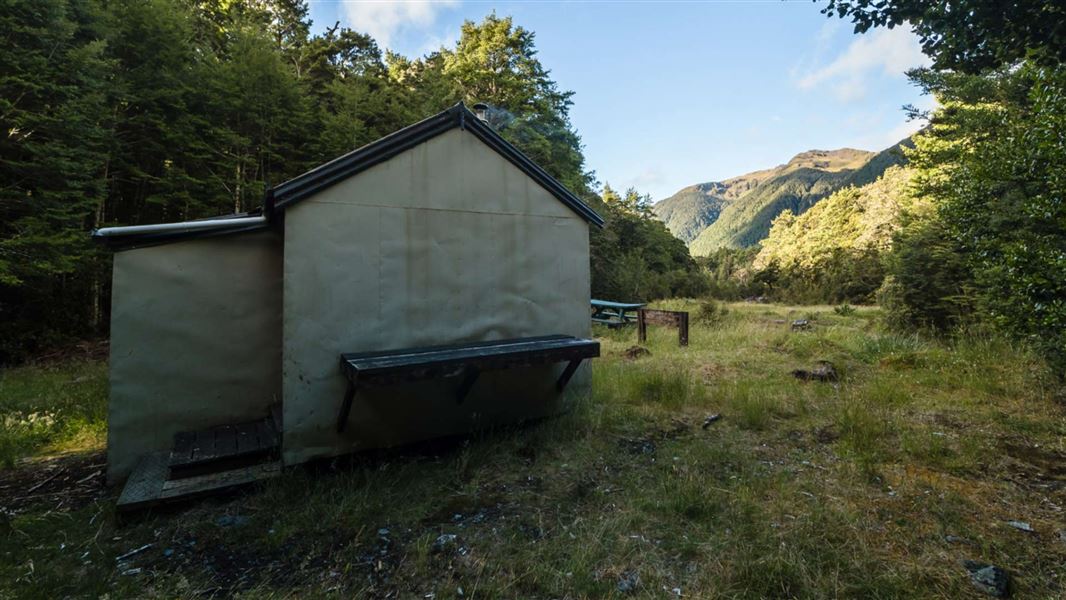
x=877, y=486
x=53, y=408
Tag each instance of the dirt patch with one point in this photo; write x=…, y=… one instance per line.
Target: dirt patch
x=635, y=352
x=947, y=421
x=67, y=482
x=712, y=373
x=226, y=568
x=823, y=371
x=1035, y=467
x=466, y=510
x=825, y=435
x=648, y=443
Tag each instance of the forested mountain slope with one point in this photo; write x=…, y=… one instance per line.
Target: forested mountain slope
x=692, y=209
x=738, y=212
x=855, y=219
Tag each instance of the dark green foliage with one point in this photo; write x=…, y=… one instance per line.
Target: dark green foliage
x=999, y=220
x=634, y=257
x=54, y=114
x=146, y=111
x=844, y=310
x=992, y=241
x=711, y=312
x=729, y=273
x=968, y=35
x=691, y=210
x=928, y=280
x=840, y=276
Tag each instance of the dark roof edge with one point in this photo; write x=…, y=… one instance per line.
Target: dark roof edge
x=356, y=161
x=144, y=240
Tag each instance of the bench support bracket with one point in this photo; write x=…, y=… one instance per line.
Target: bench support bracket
x=468, y=382
x=346, y=407
x=567, y=373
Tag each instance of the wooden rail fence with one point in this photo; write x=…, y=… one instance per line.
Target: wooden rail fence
x=669, y=318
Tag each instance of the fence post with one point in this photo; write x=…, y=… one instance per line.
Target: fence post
x=642, y=327
x=682, y=328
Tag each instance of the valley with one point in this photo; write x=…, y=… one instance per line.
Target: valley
x=738, y=212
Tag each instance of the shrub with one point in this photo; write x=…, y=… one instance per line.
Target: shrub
x=844, y=310
x=711, y=312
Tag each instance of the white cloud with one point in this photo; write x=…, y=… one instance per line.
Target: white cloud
x=884, y=51
x=382, y=19
x=650, y=179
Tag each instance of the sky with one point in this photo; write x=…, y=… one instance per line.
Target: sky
x=672, y=93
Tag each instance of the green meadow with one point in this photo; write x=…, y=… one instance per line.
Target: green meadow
x=876, y=486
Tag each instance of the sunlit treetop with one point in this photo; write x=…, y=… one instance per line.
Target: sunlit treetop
x=969, y=35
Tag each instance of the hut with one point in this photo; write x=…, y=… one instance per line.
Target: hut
x=227, y=334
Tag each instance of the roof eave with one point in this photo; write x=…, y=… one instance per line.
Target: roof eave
x=324, y=176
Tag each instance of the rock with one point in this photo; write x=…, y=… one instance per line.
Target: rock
x=990, y=579
x=1021, y=526
x=231, y=520
x=629, y=582
x=383, y=532
x=801, y=325
x=711, y=419
x=635, y=352
x=444, y=542
x=824, y=371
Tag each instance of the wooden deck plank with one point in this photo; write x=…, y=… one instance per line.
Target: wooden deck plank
x=247, y=438
x=190, y=487
x=183, y=444
x=148, y=486
x=225, y=447
x=145, y=484
x=225, y=441
x=204, y=446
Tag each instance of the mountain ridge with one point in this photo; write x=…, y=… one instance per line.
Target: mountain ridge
x=737, y=212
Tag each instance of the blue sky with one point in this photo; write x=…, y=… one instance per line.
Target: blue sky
x=668, y=94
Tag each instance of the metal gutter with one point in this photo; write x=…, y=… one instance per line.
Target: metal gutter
x=207, y=224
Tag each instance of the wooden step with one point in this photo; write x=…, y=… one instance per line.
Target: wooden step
x=149, y=484
x=223, y=448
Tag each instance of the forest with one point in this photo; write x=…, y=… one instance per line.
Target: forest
x=134, y=112
x=128, y=112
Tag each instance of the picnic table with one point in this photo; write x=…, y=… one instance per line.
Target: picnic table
x=614, y=314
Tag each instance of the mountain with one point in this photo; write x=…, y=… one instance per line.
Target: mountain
x=738, y=212
x=693, y=209
x=853, y=219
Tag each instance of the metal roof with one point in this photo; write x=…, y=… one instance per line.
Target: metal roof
x=354, y=162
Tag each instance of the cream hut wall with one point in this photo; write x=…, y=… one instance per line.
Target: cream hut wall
x=440, y=233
